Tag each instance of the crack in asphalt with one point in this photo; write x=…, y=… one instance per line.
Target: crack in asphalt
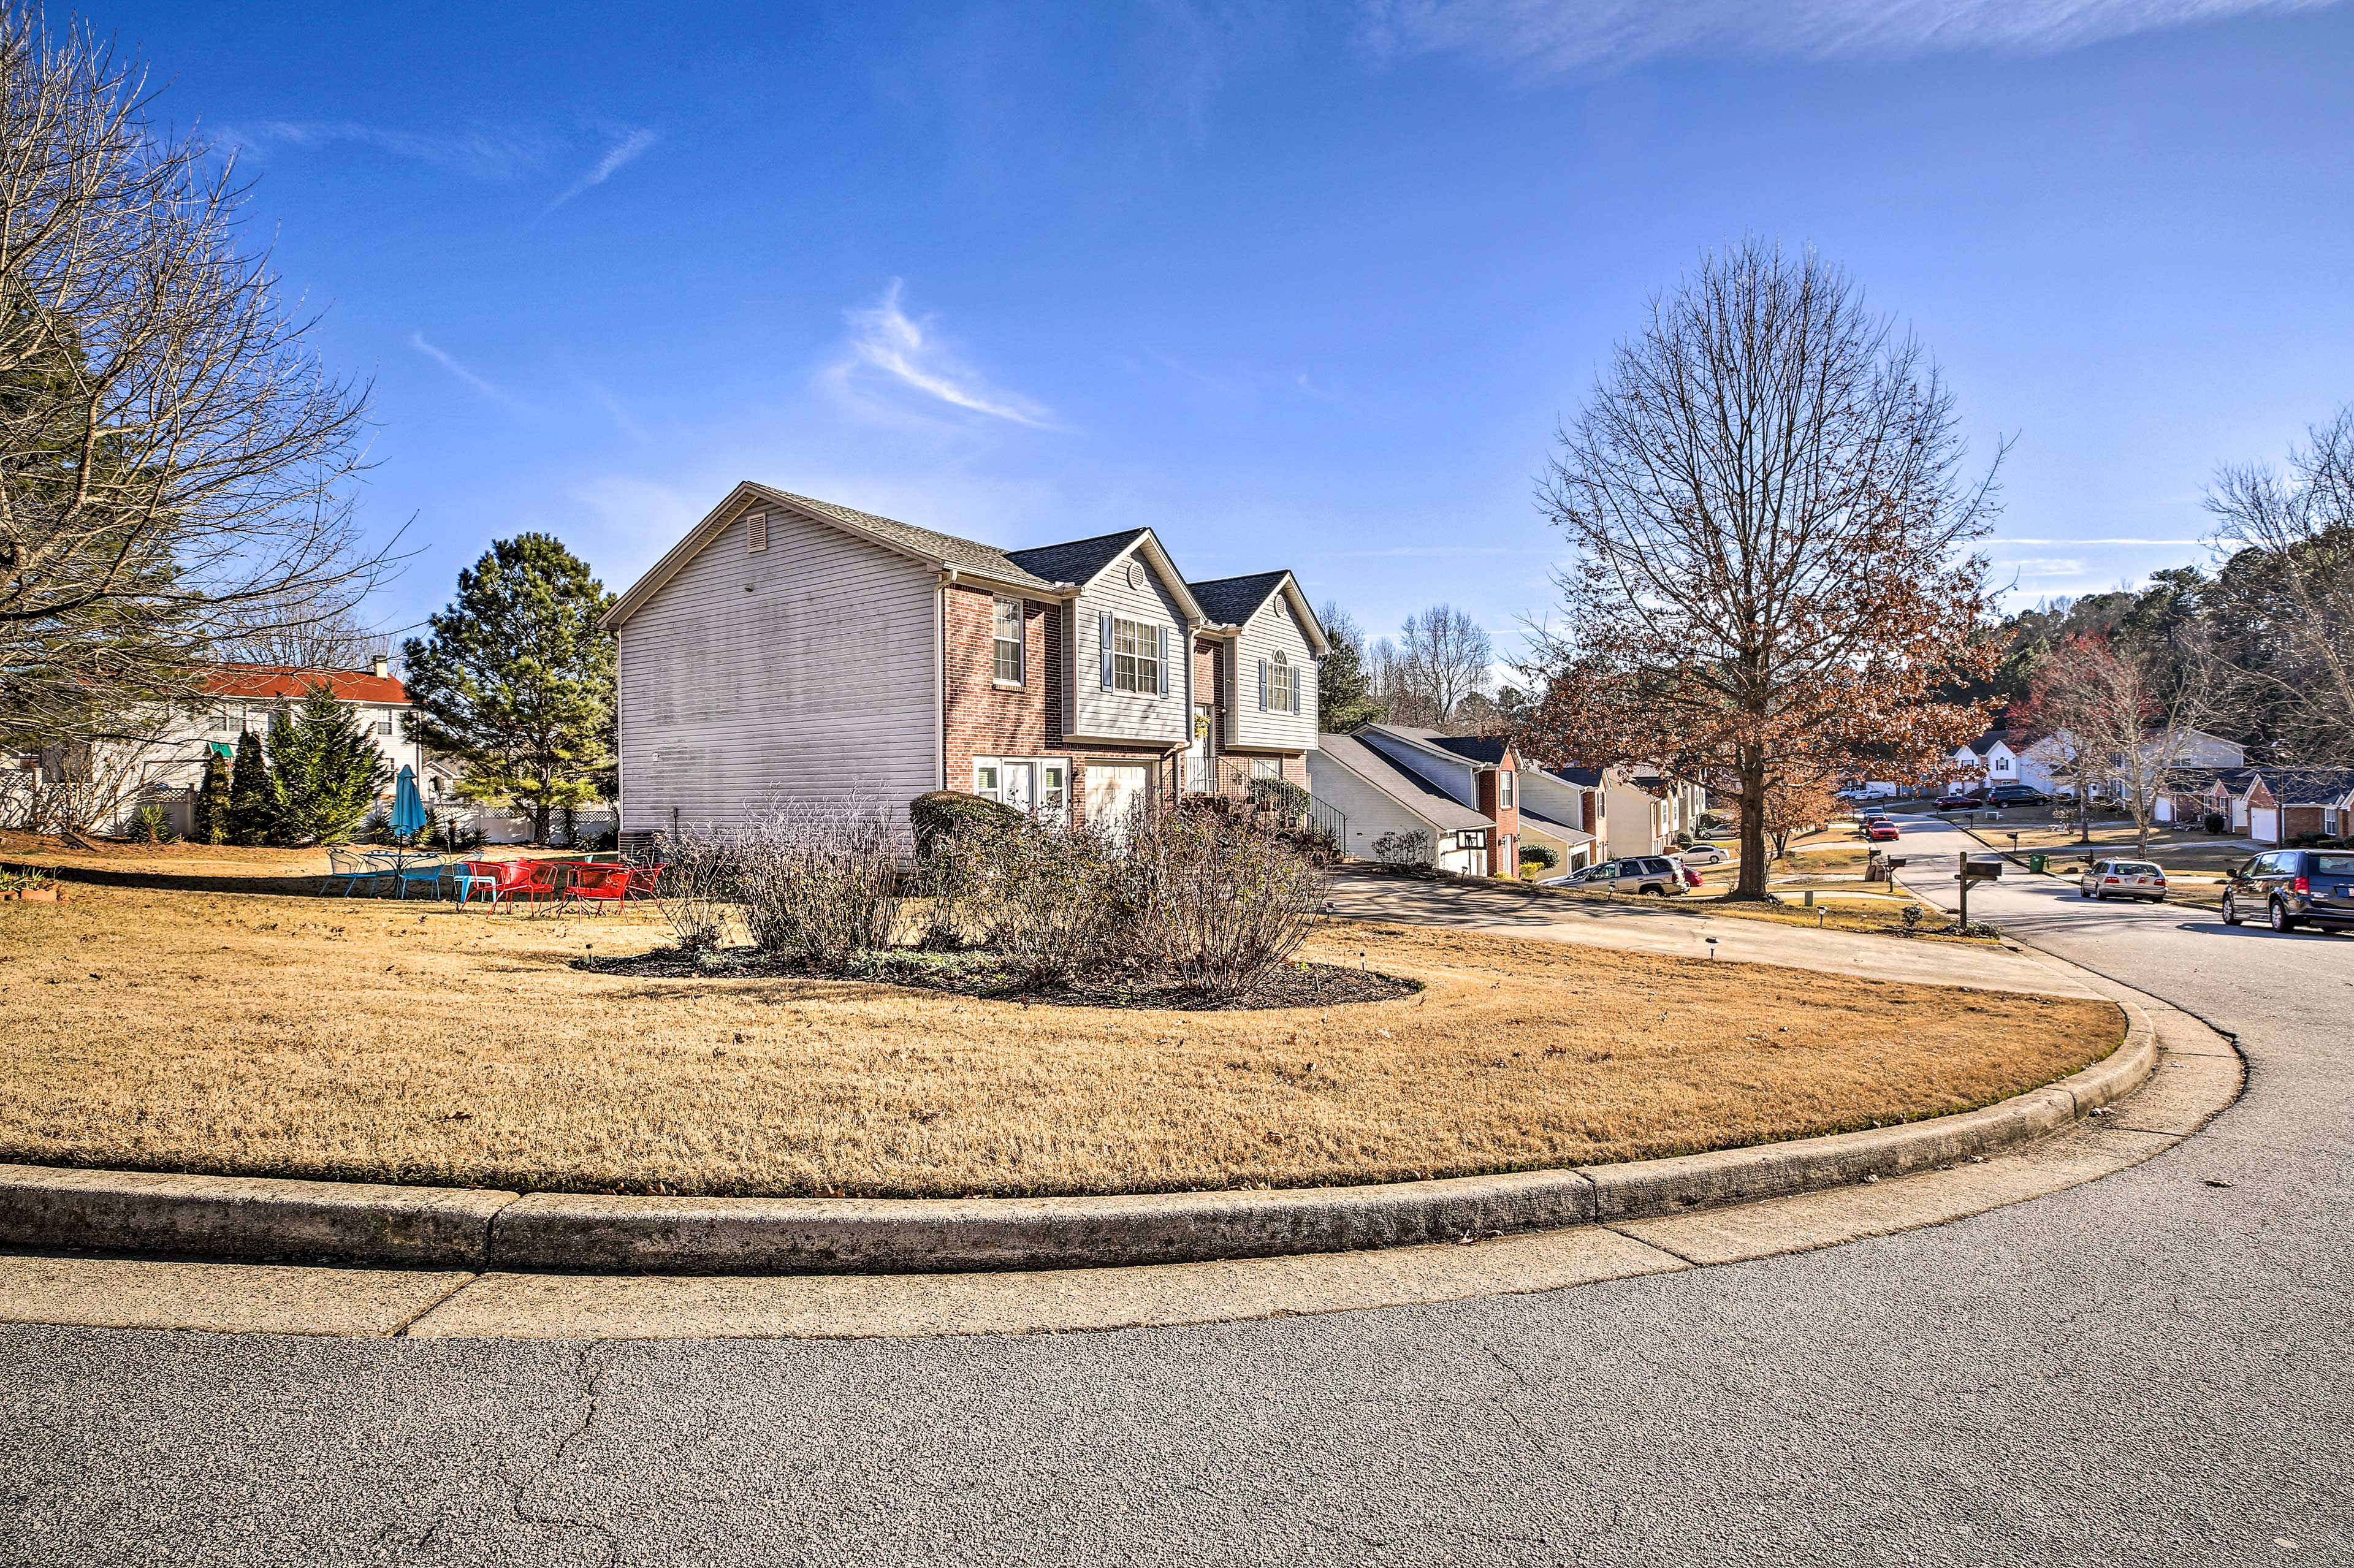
x=588, y=1370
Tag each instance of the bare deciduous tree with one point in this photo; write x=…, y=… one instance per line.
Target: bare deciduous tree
x=1447, y=658
x=1770, y=582
x=171, y=455
x=2288, y=591
x=2122, y=719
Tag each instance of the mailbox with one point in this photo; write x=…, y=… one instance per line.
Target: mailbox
x=1981, y=870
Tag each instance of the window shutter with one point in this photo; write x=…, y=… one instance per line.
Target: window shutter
x=1168, y=651
x=1298, y=674
x=1103, y=641
x=1262, y=686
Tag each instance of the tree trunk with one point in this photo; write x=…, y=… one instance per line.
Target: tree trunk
x=1752, y=885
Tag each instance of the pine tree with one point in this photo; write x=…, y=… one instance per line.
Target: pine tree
x=209, y=818
x=325, y=774
x=251, y=811
x=516, y=679
x=1344, y=698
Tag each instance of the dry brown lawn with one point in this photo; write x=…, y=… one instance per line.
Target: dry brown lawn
x=270, y=1036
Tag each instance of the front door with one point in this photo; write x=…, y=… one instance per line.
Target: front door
x=1197, y=756
x=1021, y=786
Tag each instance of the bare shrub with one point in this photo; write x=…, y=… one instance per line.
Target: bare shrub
x=697, y=888
x=1047, y=897
x=820, y=881
x=1413, y=846
x=1218, y=901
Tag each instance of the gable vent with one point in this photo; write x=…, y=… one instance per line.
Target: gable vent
x=756, y=533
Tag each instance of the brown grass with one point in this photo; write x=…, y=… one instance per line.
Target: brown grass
x=260, y=1035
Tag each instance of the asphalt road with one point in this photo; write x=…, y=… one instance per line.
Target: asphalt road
x=2150, y=1369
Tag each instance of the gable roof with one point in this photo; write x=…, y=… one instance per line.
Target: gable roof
x=2308, y=785
x=1584, y=778
x=1040, y=569
x=1079, y=561
x=1230, y=601
x=1468, y=750
x=1416, y=794
x=294, y=682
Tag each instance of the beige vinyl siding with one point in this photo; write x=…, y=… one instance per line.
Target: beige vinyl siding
x=1458, y=778
x=1271, y=628
x=1115, y=716
x=1371, y=812
x=820, y=683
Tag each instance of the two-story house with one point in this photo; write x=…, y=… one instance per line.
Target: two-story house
x=165, y=764
x=1477, y=798
x=794, y=650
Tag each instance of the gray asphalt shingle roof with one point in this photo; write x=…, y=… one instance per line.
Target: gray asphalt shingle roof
x=966, y=553
x=1076, y=561
x=1416, y=794
x=1230, y=601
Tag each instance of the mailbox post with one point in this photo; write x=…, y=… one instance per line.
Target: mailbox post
x=1971, y=871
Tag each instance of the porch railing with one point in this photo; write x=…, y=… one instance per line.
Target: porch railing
x=1289, y=803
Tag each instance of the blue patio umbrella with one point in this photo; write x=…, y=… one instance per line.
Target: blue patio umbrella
x=408, y=811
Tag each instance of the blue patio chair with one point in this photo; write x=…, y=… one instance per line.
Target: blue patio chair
x=431, y=871
x=350, y=868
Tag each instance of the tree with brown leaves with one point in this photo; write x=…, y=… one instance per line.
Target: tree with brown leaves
x=2122, y=719
x=1770, y=579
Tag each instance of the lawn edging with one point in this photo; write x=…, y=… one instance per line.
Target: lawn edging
x=52, y=1207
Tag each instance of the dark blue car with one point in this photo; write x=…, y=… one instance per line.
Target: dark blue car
x=2293, y=887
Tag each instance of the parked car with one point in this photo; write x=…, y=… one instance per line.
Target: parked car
x=1692, y=877
x=1635, y=874
x=2292, y=888
x=2017, y=795
x=1705, y=854
x=2123, y=879
x=1883, y=829
x=1956, y=800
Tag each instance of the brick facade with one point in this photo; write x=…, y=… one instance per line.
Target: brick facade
x=1502, y=861
x=981, y=718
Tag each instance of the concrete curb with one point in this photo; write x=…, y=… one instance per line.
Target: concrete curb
x=244, y=1217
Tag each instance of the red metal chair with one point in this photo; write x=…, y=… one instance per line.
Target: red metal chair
x=645, y=881
x=502, y=881
x=599, y=885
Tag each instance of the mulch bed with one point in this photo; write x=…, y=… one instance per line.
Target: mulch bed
x=985, y=977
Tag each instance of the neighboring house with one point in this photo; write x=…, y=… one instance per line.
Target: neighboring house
x=1568, y=808
x=2012, y=757
x=1382, y=800
x=1481, y=772
x=166, y=768
x=1681, y=806
x=794, y=650
x=2195, y=792
x=2283, y=804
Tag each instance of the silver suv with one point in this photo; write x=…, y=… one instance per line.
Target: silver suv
x=1635, y=874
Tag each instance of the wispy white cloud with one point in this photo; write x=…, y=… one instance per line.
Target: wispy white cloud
x=480, y=385
x=901, y=354
x=2045, y=568
x=1546, y=37
x=626, y=150
x=489, y=153
x=476, y=153
x=2101, y=541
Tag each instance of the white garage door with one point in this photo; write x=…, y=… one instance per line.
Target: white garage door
x=2263, y=824
x=1115, y=791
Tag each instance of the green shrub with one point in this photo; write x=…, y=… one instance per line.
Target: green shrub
x=151, y=825
x=945, y=813
x=1540, y=855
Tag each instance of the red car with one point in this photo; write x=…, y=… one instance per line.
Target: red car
x=1881, y=829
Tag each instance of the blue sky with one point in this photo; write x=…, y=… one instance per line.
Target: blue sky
x=1307, y=287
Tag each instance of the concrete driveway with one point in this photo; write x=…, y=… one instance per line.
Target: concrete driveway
x=1661, y=925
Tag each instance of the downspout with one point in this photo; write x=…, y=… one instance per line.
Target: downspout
x=940, y=671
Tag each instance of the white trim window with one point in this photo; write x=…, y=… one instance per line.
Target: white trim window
x=1039, y=785
x=1136, y=657
x=1285, y=677
x=1504, y=790
x=1266, y=767
x=1005, y=641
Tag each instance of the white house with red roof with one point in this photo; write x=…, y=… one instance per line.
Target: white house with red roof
x=165, y=767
